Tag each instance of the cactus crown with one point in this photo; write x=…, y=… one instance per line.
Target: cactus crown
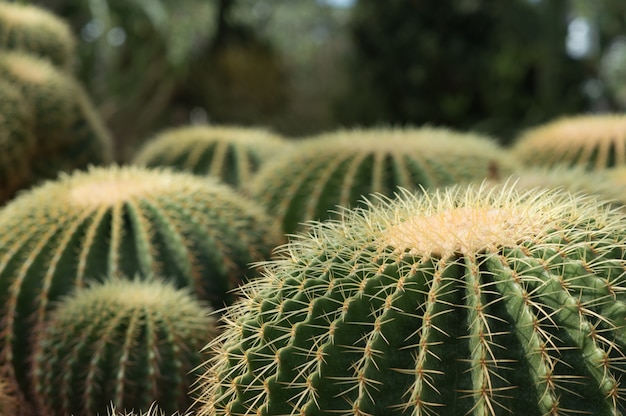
x=595, y=142
x=477, y=301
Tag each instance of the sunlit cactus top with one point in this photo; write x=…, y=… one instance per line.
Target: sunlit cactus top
x=591, y=141
x=230, y=153
x=464, y=301
x=35, y=30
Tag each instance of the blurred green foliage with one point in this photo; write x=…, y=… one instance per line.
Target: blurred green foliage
x=301, y=67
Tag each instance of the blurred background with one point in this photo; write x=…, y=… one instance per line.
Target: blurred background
x=301, y=67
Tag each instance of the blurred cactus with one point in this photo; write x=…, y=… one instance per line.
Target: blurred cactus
x=36, y=31
x=337, y=169
x=230, y=153
x=130, y=343
x=592, y=141
x=17, y=142
x=68, y=133
x=121, y=222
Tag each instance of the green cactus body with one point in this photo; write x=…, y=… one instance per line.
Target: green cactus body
x=231, y=153
x=130, y=343
x=69, y=135
x=594, y=142
x=337, y=169
x=17, y=143
x=464, y=301
x=36, y=31
x=121, y=221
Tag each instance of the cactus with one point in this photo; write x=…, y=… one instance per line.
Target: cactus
x=594, y=142
x=463, y=301
x=9, y=405
x=152, y=411
x=130, y=343
x=36, y=31
x=17, y=142
x=336, y=169
x=68, y=132
x=575, y=179
x=121, y=221
x=231, y=153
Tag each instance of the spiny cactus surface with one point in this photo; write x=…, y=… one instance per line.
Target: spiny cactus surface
x=230, y=153
x=130, y=343
x=121, y=221
x=35, y=30
x=465, y=301
x=592, y=141
x=68, y=132
x=338, y=168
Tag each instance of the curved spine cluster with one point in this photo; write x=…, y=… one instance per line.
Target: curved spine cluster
x=594, y=142
x=129, y=343
x=465, y=301
x=339, y=168
x=230, y=153
x=121, y=221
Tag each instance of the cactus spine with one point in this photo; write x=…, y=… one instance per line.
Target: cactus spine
x=121, y=221
x=36, y=31
x=231, y=153
x=465, y=301
x=336, y=169
x=130, y=343
x=594, y=142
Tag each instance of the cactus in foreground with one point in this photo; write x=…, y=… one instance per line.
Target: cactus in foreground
x=68, y=132
x=594, y=142
x=130, y=343
x=17, y=142
x=231, y=153
x=36, y=31
x=464, y=301
x=152, y=411
x=338, y=168
x=121, y=221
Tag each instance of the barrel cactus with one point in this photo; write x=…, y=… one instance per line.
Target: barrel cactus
x=37, y=31
x=463, y=301
x=69, y=134
x=337, y=168
x=17, y=143
x=231, y=153
x=591, y=141
x=121, y=221
x=129, y=343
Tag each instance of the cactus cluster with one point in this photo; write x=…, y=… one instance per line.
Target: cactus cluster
x=130, y=343
x=463, y=301
x=594, y=142
x=338, y=168
x=233, y=154
x=34, y=30
x=121, y=221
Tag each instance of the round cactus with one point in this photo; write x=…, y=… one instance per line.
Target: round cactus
x=231, y=153
x=463, y=301
x=69, y=134
x=17, y=142
x=121, y=222
x=593, y=142
x=129, y=343
x=36, y=31
x=574, y=179
x=337, y=169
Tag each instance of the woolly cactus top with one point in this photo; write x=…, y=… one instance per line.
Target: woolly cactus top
x=594, y=141
x=476, y=301
x=30, y=69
